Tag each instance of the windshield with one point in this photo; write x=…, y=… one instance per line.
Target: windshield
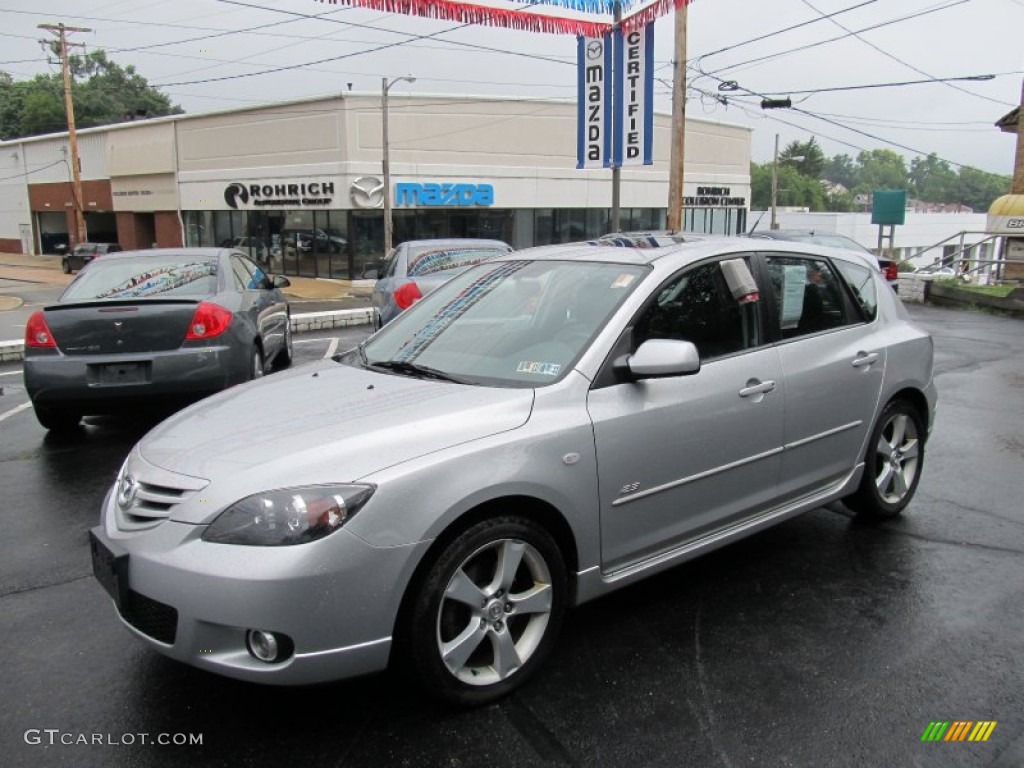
x=516, y=323
x=150, y=276
x=427, y=261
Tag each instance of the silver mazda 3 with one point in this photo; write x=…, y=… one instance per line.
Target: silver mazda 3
x=539, y=431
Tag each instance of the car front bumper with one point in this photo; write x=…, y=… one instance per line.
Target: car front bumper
x=194, y=601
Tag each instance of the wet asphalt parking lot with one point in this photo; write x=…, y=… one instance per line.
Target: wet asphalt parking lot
x=821, y=642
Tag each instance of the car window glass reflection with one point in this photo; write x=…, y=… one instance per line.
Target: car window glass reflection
x=429, y=261
x=142, y=278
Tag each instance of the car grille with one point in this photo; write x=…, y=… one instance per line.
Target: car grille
x=151, y=617
x=150, y=505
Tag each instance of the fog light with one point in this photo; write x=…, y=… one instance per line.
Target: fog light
x=266, y=646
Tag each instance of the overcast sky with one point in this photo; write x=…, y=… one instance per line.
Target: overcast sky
x=946, y=39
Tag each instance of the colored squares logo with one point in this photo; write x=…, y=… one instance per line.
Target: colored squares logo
x=958, y=730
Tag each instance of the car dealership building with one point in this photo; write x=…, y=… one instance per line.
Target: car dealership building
x=300, y=182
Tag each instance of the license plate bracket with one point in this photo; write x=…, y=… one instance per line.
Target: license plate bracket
x=110, y=567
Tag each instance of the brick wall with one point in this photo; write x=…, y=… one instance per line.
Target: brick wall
x=9, y=245
x=168, y=229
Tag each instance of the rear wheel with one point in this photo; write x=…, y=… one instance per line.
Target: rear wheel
x=488, y=611
x=256, y=370
x=57, y=419
x=892, y=467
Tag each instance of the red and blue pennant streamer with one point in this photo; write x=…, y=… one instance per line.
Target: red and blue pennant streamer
x=591, y=18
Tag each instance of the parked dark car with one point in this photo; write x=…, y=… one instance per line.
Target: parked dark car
x=416, y=267
x=833, y=240
x=141, y=328
x=83, y=253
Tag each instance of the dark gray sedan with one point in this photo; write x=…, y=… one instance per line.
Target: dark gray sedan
x=142, y=328
x=416, y=267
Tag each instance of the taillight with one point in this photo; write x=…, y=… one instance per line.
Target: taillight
x=407, y=295
x=37, y=332
x=892, y=271
x=209, y=320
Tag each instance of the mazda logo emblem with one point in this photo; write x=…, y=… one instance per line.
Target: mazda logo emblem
x=367, y=192
x=595, y=49
x=126, y=492
x=234, y=192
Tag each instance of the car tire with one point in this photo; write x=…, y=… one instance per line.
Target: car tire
x=65, y=266
x=501, y=587
x=892, y=465
x=284, y=356
x=57, y=419
x=256, y=364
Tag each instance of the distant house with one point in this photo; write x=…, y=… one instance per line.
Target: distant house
x=833, y=189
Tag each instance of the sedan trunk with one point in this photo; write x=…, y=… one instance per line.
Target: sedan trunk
x=117, y=327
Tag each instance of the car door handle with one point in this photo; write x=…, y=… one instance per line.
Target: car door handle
x=864, y=359
x=755, y=387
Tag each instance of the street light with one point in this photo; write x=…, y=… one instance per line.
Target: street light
x=385, y=87
x=775, y=179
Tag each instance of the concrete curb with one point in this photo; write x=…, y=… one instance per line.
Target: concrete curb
x=301, y=323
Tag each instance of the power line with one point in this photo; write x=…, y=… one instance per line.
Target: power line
x=880, y=25
x=898, y=60
x=895, y=84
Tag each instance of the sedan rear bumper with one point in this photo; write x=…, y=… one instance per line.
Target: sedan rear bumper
x=108, y=383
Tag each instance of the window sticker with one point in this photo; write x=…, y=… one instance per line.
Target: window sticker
x=542, y=369
x=623, y=281
x=794, y=280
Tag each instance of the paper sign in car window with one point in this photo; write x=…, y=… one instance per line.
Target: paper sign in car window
x=541, y=369
x=794, y=280
x=623, y=281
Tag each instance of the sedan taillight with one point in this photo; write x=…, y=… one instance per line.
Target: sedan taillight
x=37, y=332
x=892, y=271
x=407, y=295
x=209, y=320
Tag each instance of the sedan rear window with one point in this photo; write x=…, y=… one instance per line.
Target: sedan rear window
x=427, y=261
x=146, y=277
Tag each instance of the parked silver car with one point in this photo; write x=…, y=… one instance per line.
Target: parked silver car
x=416, y=267
x=535, y=433
x=140, y=328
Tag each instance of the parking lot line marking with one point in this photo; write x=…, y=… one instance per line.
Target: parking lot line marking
x=14, y=411
x=331, y=349
x=11, y=373
x=311, y=341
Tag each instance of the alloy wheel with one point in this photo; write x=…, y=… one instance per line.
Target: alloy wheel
x=898, y=451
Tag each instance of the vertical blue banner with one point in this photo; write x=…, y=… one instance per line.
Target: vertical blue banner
x=634, y=97
x=594, y=102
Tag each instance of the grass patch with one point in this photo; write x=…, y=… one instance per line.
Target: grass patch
x=997, y=291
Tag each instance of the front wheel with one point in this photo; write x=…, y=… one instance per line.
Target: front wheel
x=283, y=359
x=65, y=266
x=488, y=611
x=256, y=369
x=892, y=467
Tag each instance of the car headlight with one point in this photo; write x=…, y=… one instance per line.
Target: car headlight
x=288, y=516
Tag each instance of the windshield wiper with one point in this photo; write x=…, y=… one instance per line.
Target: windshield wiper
x=415, y=369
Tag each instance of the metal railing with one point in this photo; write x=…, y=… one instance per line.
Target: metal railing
x=962, y=260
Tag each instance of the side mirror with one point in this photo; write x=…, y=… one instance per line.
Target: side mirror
x=369, y=274
x=280, y=281
x=658, y=358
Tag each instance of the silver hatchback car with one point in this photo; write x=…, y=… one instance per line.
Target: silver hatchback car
x=535, y=433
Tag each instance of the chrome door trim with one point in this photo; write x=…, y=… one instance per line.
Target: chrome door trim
x=823, y=435
x=692, y=478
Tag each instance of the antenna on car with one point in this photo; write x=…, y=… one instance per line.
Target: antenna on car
x=757, y=222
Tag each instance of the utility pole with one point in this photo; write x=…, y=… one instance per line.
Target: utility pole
x=1017, y=187
x=385, y=86
x=616, y=222
x=76, y=172
x=676, y=155
x=775, y=183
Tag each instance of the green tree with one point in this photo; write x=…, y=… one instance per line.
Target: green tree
x=979, y=189
x=760, y=186
x=841, y=170
x=880, y=169
x=104, y=92
x=813, y=162
x=932, y=180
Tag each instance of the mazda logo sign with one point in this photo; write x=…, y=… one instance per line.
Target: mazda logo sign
x=595, y=49
x=126, y=491
x=367, y=192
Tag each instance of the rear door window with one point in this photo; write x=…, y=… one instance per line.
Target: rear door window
x=807, y=295
x=863, y=286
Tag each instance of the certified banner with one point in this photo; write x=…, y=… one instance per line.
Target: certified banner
x=594, y=102
x=634, y=97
